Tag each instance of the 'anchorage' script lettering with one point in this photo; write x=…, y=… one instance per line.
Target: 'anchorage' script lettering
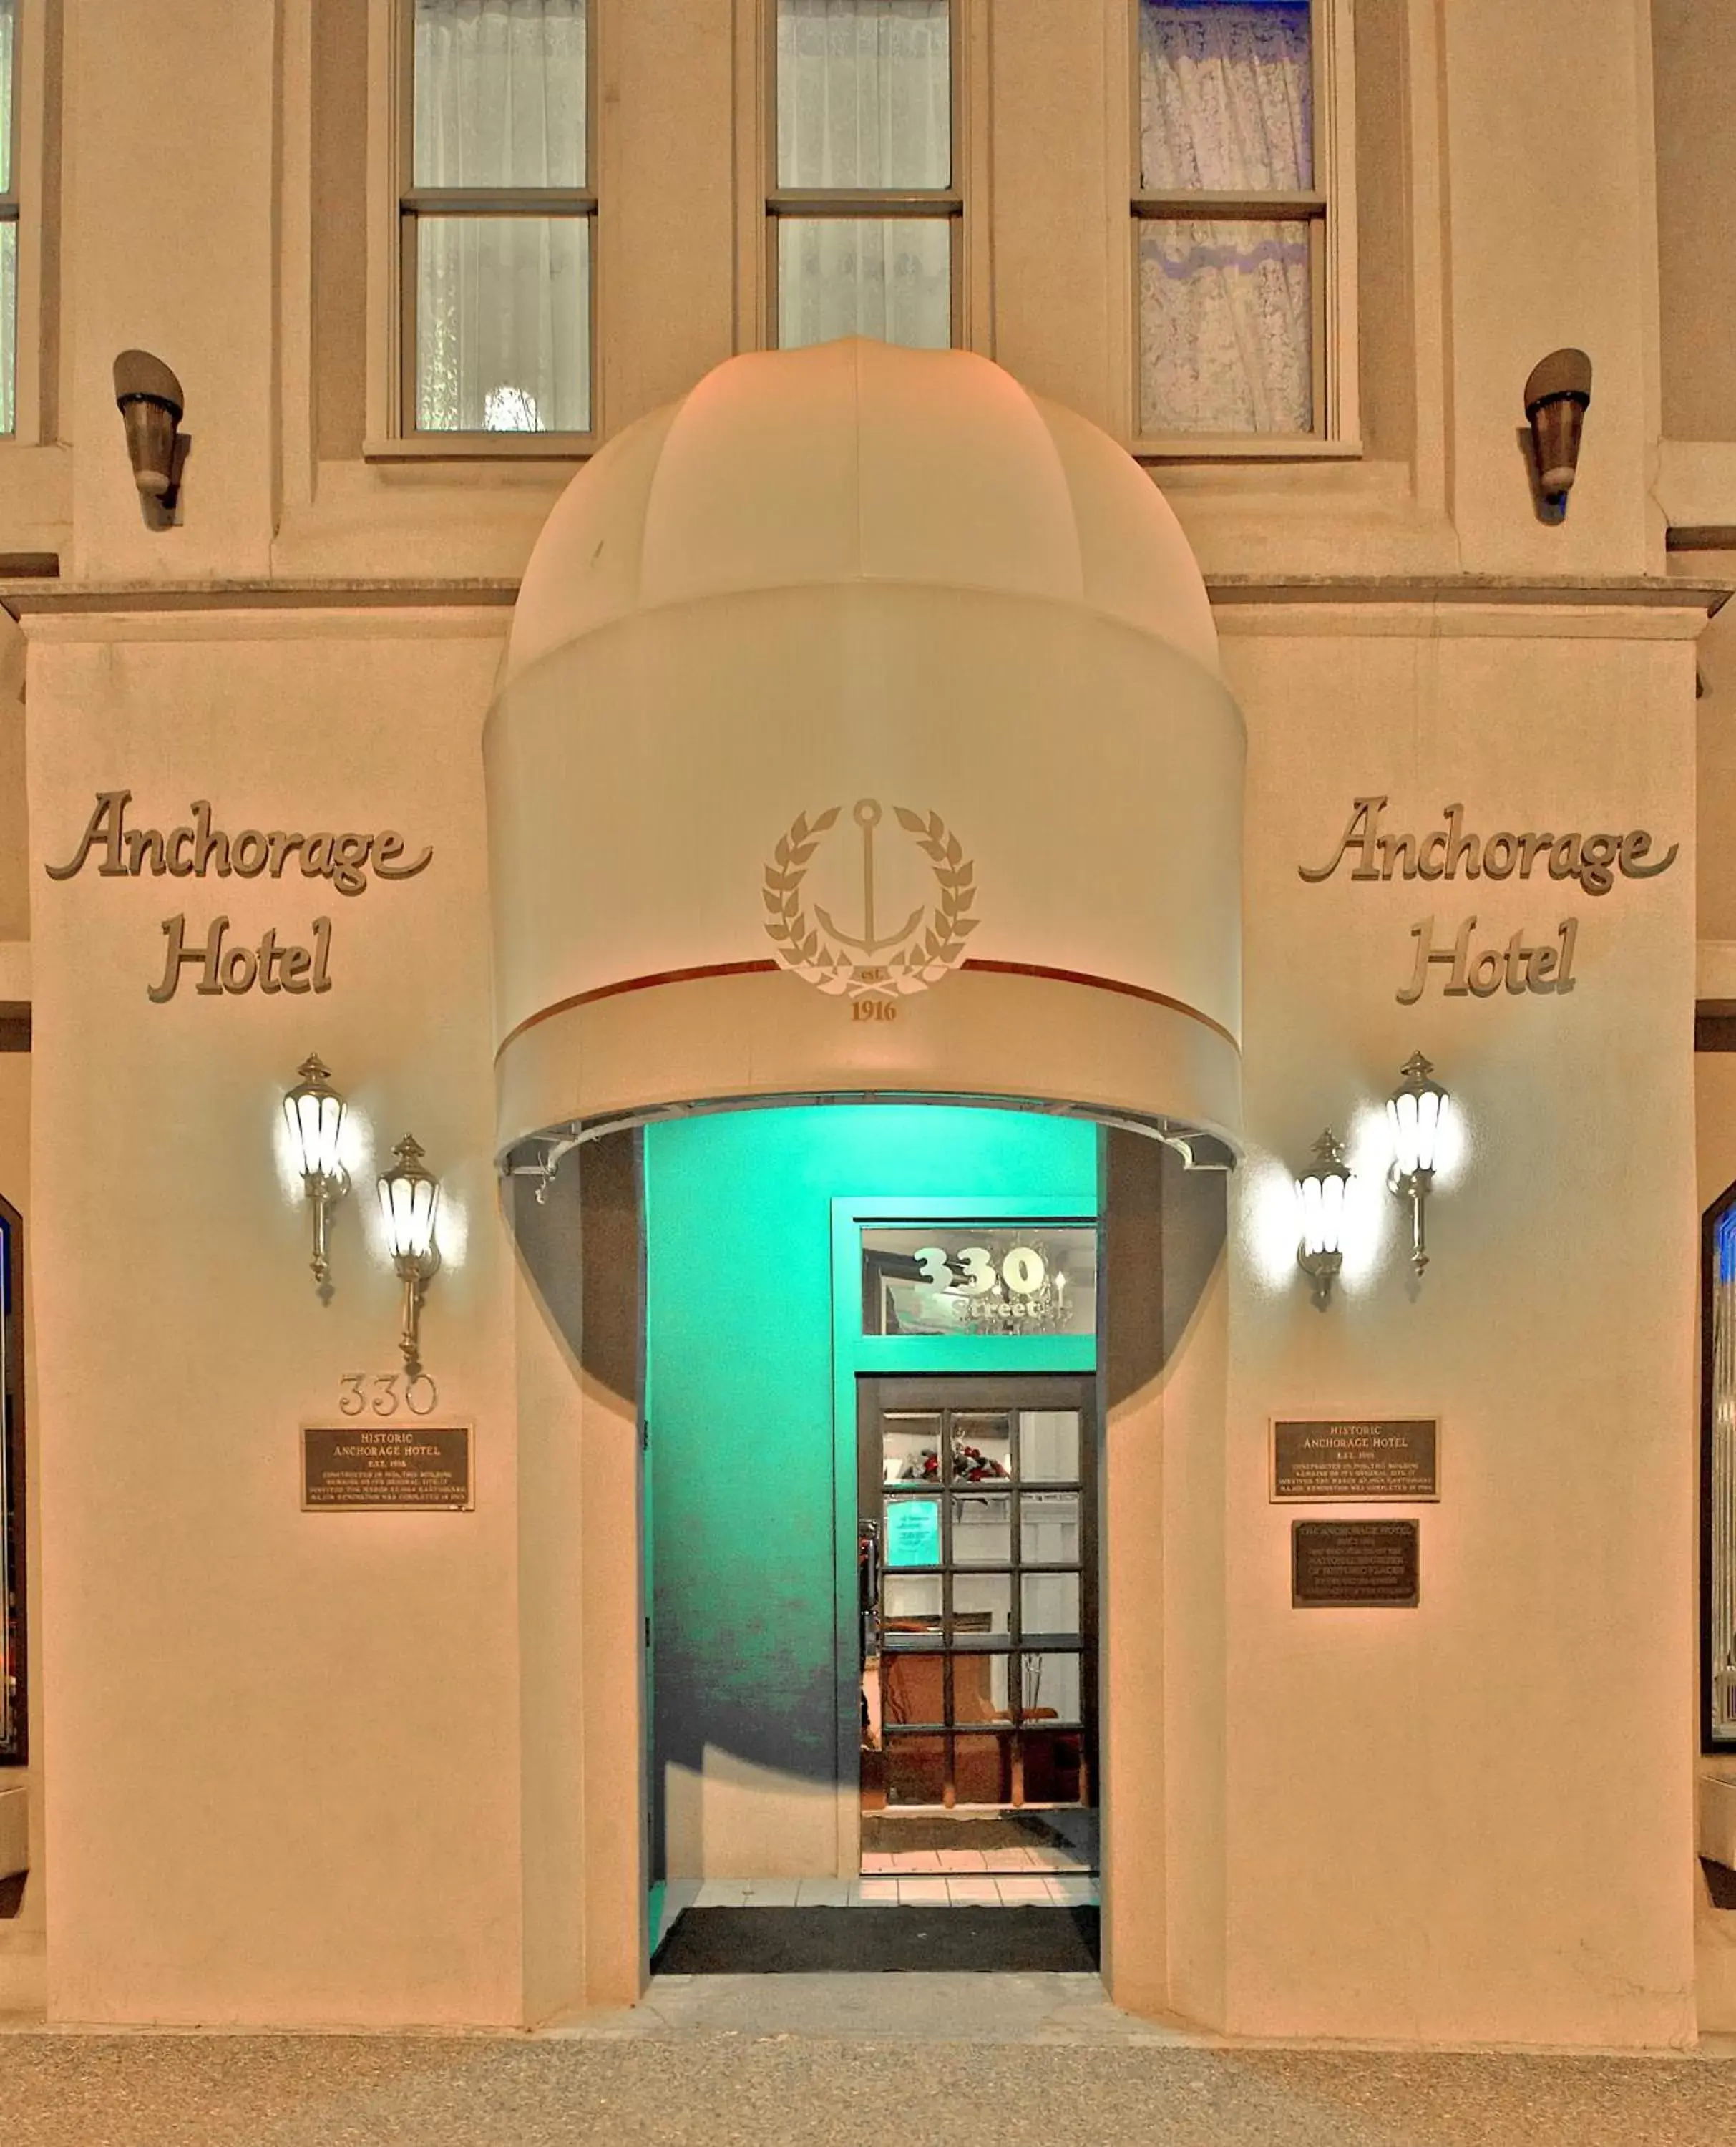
x=196, y=850
x=1445, y=852
x=1518, y=967
x=193, y=851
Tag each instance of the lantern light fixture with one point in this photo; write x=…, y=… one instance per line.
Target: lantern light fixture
x=314, y=1113
x=1416, y=1111
x=409, y=1198
x=1320, y=1191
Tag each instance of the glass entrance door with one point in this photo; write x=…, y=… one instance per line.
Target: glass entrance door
x=976, y=1559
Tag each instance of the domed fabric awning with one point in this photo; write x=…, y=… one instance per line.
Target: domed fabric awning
x=861, y=734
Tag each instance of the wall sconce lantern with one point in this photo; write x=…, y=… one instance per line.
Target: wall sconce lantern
x=408, y=1198
x=1557, y=397
x=1414, y=1111
x=1321, y=1190
x=314, y=1111
x=151, y=402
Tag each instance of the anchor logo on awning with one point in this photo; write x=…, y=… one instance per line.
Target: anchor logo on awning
x=872, y=961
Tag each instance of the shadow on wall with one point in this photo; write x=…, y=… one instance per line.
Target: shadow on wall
x=579, y=1251
x=1165, y=1227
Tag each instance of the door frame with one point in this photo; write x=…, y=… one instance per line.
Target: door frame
x=854, y=1353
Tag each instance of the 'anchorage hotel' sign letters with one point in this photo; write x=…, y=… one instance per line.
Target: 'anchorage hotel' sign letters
x=196, y=850
x=1592, y=860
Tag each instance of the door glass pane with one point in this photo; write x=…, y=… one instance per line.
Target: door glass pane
x=910, y=1607
x=887, y=277
x=981, y=1449
x=1048, y=1605
x=982, y=1609
x=980, y=1688
x=910, y=1447
x=503, y=323
x=982, y=1528
x=864, y=93
x=915, y=1769
x=912, y=1688
x=1054, y=1766
x=1225, y=327
x=983, y=1770
x=500, y=94
x=913, y=1532
x=1050, y=1687
x=1048, y=1446
x=1049, y=1528
x=1225, y=96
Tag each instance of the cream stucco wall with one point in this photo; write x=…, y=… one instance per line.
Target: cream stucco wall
x=284, y=1781
x=309, y=1769
x=1484, y=1800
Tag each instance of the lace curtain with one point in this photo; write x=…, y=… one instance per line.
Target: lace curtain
x=503, y=302
x=1225, y=306
x=864, y=101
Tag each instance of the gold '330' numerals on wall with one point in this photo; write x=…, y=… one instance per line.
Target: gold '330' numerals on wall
x=391, y=1391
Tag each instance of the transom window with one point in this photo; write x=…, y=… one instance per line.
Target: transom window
x=864, y=206
x=496, y=217
x=1233, y=220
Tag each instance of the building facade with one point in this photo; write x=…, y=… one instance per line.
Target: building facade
x=864, y=660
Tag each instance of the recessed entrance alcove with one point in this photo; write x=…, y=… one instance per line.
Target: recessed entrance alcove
x=864, y=810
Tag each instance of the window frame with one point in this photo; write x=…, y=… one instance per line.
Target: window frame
x=396, y=204
x=888, y=202
x=1328, y=210
x=14, y=1616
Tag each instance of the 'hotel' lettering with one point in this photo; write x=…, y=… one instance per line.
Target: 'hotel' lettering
x=1517, y=968
x=235, y=969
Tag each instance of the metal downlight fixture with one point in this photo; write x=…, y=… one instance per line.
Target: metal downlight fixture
x=1321, y=1191
x=314, y=1112
x=409, y=1196
x=1415, y=1111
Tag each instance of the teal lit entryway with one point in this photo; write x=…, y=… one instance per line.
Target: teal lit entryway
x=756, y=1359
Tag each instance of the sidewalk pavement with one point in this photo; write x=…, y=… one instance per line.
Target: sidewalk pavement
x=850, y=2061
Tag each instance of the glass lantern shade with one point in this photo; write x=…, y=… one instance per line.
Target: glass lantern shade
x=408, y=1198
x=1415, y=1114
x=1322, y=1213
x=314, y=1114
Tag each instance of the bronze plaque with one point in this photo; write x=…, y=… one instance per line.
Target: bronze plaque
x=1347, y=1564
x=1356, y=1458
x=371, y=1468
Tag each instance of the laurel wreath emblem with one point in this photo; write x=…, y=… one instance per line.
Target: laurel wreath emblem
x=934, y=950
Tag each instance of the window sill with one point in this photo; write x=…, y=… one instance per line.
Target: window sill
x=1255, y=447
x=483, y=448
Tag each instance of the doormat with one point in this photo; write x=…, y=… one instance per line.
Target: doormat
x=884, y=1835
x=880, y=1941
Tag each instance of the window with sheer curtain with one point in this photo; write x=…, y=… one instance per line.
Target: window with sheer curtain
x=497, y=215
x=1231, y=219
x=864, y=205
